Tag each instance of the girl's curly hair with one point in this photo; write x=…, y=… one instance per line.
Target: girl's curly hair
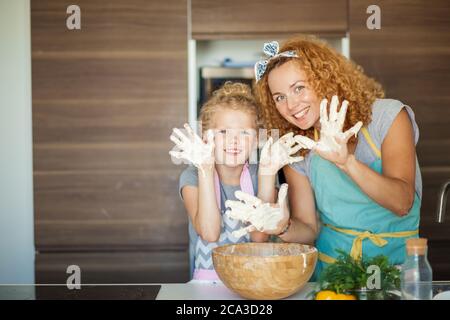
x=232, y=95
x=328, y=73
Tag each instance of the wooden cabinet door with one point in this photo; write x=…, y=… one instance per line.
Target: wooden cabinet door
x=105, y=99
x=410, y=56
x=260, y=18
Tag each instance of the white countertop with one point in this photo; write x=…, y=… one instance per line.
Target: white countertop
x=209, y=290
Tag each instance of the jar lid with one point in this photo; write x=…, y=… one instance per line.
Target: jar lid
x=416, y=246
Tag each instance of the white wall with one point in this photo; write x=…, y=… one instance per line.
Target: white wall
x=16, y=185
x=247, y=52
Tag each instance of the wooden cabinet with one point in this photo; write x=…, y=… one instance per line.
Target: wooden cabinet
x=105, y=99
x=114, y=267
x=409, y=55
x=259, y=18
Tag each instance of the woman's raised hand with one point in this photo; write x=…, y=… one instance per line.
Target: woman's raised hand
x=264, y=217
x=193, y=149
x=331, y=126
x=332, y=144
x=275, y=155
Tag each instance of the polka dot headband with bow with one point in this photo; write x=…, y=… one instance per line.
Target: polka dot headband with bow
x=271, y=50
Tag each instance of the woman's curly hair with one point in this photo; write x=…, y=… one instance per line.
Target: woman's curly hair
x=328, y=73
x=232, y=95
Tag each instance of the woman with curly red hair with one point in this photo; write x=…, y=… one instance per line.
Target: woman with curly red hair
x=366, y=192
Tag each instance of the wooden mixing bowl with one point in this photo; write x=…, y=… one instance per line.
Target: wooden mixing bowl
x=265, y=270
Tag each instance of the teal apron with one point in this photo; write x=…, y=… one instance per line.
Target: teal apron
x=353, y=222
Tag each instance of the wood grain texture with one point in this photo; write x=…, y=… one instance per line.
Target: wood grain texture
x=410, y=56
x=105, y=99
x=153, y=28
x=265, y=271
x=237, y=19
x=114, y=267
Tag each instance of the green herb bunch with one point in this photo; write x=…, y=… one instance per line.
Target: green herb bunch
x=347, y=274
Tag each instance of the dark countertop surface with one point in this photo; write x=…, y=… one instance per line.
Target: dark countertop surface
x=87, y=292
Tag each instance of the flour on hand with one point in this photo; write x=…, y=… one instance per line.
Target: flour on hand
x=260, y=216
x=330, y=127
x=192, y=148
x=275, y=155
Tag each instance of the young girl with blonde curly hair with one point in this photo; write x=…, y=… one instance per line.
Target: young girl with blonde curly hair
x=223, y=171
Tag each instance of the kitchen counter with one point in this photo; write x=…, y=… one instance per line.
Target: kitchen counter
x=193, y=290
x=208, y=290
x=205, y=290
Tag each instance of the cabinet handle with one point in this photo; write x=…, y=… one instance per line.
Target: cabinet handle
x=442, y=202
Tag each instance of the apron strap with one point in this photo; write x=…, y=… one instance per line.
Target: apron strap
x=245, y=182
x=366, y=134
x=376, y=238
x=326, y=258
x=316, y=135
x=369, y=140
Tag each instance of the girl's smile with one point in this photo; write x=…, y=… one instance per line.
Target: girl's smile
x=233, y=150
x=235, y=136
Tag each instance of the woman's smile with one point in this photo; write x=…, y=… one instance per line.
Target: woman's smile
x=300, y=116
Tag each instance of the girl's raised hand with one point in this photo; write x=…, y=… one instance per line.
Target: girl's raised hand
x=264, y=217
x=275, y=156
x=193, y=149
